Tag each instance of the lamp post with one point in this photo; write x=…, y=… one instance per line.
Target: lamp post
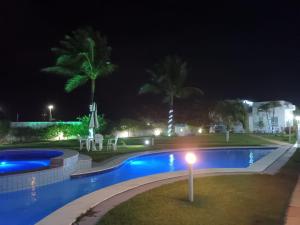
x=50, y=107
x=191, y=159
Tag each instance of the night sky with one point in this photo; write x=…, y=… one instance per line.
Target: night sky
x=242, y=49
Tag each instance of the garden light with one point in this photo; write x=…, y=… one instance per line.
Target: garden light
x=147, y=142
x=191, y=158
x=200, y=130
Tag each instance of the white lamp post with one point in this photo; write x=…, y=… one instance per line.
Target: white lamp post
x=50, y=107
x=191, y=159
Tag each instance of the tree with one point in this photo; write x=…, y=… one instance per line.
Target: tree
x=230, y=112
x=168, y=79
x=266, y=107
x=260, y=124
x=82, y=56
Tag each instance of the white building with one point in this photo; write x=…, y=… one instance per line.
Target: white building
x=272, y=120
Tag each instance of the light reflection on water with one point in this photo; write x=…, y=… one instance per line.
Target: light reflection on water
x=171, y=162
x=251, y=158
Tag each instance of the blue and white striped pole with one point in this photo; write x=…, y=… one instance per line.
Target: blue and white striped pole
x=170, y=123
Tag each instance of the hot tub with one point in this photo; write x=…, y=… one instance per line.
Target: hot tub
x=18, y=161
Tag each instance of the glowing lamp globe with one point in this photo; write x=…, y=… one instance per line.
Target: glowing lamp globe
x=190, y=158
x=147, y=142
x=50, y=107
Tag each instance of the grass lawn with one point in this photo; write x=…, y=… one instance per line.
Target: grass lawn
x=130, y=145
x=220, y=200
x=280, y=137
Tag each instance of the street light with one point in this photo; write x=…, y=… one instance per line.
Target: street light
x=191, y=158
x=50, y=107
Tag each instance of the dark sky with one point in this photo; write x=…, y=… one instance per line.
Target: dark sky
x=241, y=49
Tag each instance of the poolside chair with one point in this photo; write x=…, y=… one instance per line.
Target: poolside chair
x=82, y=142
x=112, y=143
x=99, y=141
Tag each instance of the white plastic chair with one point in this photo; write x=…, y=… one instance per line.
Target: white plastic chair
x=112, y=143
x=83, y=142
x=99, y=141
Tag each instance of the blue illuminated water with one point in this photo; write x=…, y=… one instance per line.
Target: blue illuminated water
x=29, y=206
x=12, y=161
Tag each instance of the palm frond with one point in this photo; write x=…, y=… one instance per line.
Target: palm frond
x=75, y=82
x=59, y=70
x=149, y=88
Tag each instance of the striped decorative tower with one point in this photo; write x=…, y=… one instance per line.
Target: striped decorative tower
x=170, y=123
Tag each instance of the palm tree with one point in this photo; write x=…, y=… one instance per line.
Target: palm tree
x=168, y=79
x=273, y=105
x=266, y=107
x=230, y=112
x=82, y=56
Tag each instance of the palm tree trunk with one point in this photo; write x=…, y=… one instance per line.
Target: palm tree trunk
x=268, y=121
x=92, y=90
x=227, y=135
x=273, y=120
x=171, y=117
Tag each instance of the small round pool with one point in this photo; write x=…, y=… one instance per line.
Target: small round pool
x=15, y=161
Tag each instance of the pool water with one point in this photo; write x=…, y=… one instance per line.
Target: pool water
x=13, y=166
x=14, y=161
x=33, y=204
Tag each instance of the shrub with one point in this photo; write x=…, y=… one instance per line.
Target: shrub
x=26, y=134
x=69, y=130
x=4, y=128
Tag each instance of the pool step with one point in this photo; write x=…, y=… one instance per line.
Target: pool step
x=84, y=162
x=105, y=165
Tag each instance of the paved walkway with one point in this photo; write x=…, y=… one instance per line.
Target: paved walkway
x=293, y=213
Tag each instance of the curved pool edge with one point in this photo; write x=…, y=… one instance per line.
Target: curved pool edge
x=65, y=166
x=68, y=214
x=118, y=161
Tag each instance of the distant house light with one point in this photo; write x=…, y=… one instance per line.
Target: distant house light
x=157, y=131
x=247, y=102
x=124, y=134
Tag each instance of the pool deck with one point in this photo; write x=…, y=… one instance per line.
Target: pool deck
x=293, y=213
x=106, y=198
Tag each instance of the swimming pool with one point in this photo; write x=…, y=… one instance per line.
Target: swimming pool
x=33, y=204
x=15, y=161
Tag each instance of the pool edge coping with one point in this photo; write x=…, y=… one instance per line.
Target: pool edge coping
x=67, y=214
